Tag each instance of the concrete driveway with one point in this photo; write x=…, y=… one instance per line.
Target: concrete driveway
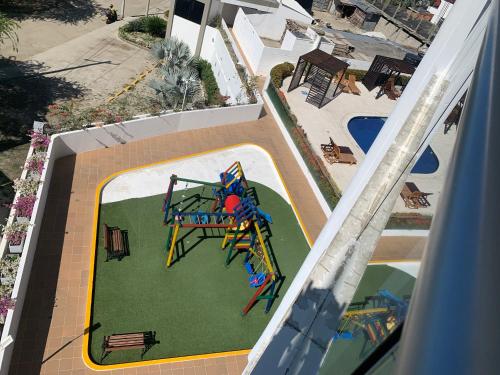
x=45, y=28
x=98, y=61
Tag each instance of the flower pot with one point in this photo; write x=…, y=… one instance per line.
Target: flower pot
x=16, y=249
x=22, y=219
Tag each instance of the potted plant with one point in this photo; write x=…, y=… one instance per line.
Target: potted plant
x=8, y=269
x=6, y=303
x=27, y=186
x=24, y=207
x=35, y=163
x=15, y=233
x=39, y=141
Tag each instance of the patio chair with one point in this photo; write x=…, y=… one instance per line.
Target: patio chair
x=390, y=90
x=337, y=154
x=352, y=85
x=413, y=197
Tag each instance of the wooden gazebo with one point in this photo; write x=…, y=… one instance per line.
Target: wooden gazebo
x=318, y=68
x=383, y=68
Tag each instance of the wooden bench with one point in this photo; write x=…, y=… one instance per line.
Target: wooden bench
x=127, y=341
x=413, y=197
x=114, y=243
x=337, y=154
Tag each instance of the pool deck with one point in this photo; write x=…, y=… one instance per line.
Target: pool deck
x=331, y=121
x=50, y=340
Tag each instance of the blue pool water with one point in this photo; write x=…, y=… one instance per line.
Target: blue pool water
x=364, y=130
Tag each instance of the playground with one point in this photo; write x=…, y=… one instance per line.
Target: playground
x=379, y=306
x=192, y=258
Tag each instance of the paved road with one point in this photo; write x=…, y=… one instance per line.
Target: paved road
x=41, y=32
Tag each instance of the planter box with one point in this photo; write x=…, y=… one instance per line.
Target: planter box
x=16, y=249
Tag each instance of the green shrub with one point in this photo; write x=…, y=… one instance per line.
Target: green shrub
x=155, y=26
x=280, y=72
x=209, y=82
x=329, y=191
x=152, y=25
x=136, y=25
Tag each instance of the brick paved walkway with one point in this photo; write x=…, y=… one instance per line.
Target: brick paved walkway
x=50, y=336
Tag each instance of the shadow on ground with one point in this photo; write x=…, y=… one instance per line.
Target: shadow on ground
x=29, y=346
x=69, y=11
x=25, y=95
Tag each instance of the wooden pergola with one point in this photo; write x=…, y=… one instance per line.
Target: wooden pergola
x=383, y=68
x=318, y=68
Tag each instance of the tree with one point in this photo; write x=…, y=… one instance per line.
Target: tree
x=8, y=29
x=180, y=82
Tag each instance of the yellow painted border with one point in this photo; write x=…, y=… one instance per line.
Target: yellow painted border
x=90, y=285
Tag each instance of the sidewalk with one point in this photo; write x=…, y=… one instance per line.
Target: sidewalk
x=98, y=61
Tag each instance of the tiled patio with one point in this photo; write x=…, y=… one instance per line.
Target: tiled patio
x=50, y=335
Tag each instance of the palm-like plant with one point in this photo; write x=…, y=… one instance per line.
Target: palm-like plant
x=8, y=29
x=178, y=87
x=173, y=53
x=180, y=81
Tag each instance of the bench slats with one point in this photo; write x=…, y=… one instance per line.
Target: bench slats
x=114, y=242
x=131, y=335
x=113, y=341
x=124, y=341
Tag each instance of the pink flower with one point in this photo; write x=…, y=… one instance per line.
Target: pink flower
x=39, y=140
x=5, y=304
x=24, y=205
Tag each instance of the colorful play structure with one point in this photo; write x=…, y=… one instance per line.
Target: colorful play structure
x=376, y=317
x=231, y=207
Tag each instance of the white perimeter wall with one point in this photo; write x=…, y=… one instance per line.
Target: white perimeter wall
x=214, y=50
x=111, y=135
x=262, y=58
x=272, y=25
x=186, y=31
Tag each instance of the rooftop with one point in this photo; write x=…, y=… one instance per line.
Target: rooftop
x=50, y=334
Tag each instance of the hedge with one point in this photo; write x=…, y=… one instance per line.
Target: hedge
x=280, y=72
x=152, y=25
x=209, y=82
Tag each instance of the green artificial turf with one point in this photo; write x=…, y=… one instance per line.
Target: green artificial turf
x=195, y=305
x=344, y=356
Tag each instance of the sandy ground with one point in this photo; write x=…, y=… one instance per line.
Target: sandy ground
x=257, y=166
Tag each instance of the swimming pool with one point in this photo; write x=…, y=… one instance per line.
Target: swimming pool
x=364, y=130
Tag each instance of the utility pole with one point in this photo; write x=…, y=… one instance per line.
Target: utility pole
x=123, y=9
x=147, y=8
